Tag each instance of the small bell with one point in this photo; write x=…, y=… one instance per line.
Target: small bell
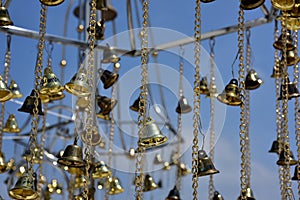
x=108, y=78
x=206, y=1
x=135, y=105
x=251, y=4
x=78, y=85
x=149, y=184
x=277, y=72
x=50, y=83
x=203, y=87
x=106, y=105
x=113, y=185
x=283, y=5
x=99, y=30
x=183, y=106
x=25, y=188
x=11, y=125
x=275, y=147
x=100, y=170
x=231, y=94
x=28, y=105
x=4, y=167
x=5, y=93
x=151, y=135
x=247, y=193
x=296, y=172
x=292, y=91
x=205, y=165
x=109, y=13
x=252, y=80
x=217, y=196
x=173, y=194
x=72, y=157
x=14, y=88
x=51, y=2
x=56, y=97
x=4, y=17
x=291, y=58
x=184, y=170
x=110, y=56
x=290, y=156
x=279, y=44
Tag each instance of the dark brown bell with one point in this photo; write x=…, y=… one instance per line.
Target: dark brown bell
x=205, y=165
x=231, y=94
x=135, y=105
x=5, y=93
x=14, y=88
x=248, y=194
x=149, y=184
x=275, y=147
x=206, y=1
x=283, y=5
x=108, y=13
x=4, y=17
x=28, y=105
x=100, y=170
x=291, y=58
x=108, y=78
x=50, y=83
x=11, y=125
x=292, y=91
x=173, y=194
x=110, y=56
x=106, y=104
x=203, y=87
x=51, y=2
x=251, y=4
x=296, y=172
x=252, y=80
x=78, y=85
x=277, y=72
x=217, y=196
x=113, y=185
x=25, y=188
x=183, y=106
x=72, y=157
x=282, y=161
x=279, y=44
x=101, y=4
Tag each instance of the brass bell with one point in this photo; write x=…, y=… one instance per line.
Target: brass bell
x=151, y=135
x=173, y=194
x=277, y=72
x=203, y=87
x=110, y=56
x=45, y=98
x=183, y=106
x=149, y=184
x=28, y=105
x=275, y=147
x=4, y=167
x=99, y=30
x=11, y=125
x=135, y=105
x=292, y=91
x=25, y=187
x=296, y=172
x=78, y=85
x=80, y=181
x=291, y=59
x=72, y=157
x=100, y=170
x=205, y=165
x=252, y=80
x=251, y=4
x=247, y=193
x=283, y=5
x=217, y=196
x=4, y=17
x=5, y=93
x=14, y=88
x=56, y=97
x=50, y=83
x=108, y=78
x=291, y=22
x=51, y=2
x=279, y=44
x=113, y=185
x=231, y=94
x=106, y=105
x=184, y=170
x=290, y=156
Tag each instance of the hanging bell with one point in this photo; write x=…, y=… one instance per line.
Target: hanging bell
x=183, y=106
x=283, y=5
x=246, y=193
x=203, y=87
x=184, y=170
x=110, y=56
x=11, y=125
x=14, y=88
x=4, y=17
x=72, y=157
x=4, y=167
x=100, y=170
x=78, y=85
x=151, y=135
x=290, y=158
x=50, y=83
x=113, y=185
x=205, y=165
x=135, y=105
x=206, y=1
x=296, y=172
x=5, y=93
x=108, y=78
x=291, y=59
x=25, y=188
x=45, y=98
x=29, y=106
x=51, y=2
x=251, y=4
x=56, y=97
x=289, y=42
x=277, y=72
x=149, y=184
x=275, y=147
x=108, y=13
x=217, y=196
x=173, y=194
x=231, y=94
x=106, y=105
x=252, y=80
x=292, y=91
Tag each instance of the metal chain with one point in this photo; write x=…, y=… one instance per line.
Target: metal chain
x=196, y=100
x=143, y=103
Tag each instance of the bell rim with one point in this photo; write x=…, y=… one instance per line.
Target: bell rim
x=98, y=175
x=208, y=172
x=76, y=163
x=103, y=116
x=277, y=6
x=161, y=139
x=56, y=97
x=50, y=91
x=55, y=3
x=221, y=98
x=8, y=130
x=18, y=196
x=112, y=82
x=6, y=97
x=70, y=87
x=256, y=5
x=185, y=110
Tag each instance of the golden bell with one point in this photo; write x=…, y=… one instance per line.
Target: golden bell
x=277, y=72
x=99, y=30
x=231, y=94
x=78, y=85
x=203, y=87
x=113, y=185
x=184, y=170
x=247, y=193
x=4, y=17
x=251, y=4
x=217, y=196
x=291, y=59
x=290, y=156
x=14, y=88
x=283, y=5
x=100, y=170
x=25, y=188
x=28, y=105
x=5, y=93
x=72, y=157
x=173, y=194
x=151, y=135
x=296, y=172
x=50, y=83
x=149, y=184
x=4, y=167
x=292, y=91
x=135, y=105
x=183, y=106
x=205, y=165
x=56, y=97
x=275, y=147
x=51, y=2
x=45, y=98
x=110, y=56
x=289, y=42
x=108, y=78
x=106, y=104
x=252, y=80
x=11, y=125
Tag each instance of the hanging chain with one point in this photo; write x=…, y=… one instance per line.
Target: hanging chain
x=196, y=100
x=139, y=175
